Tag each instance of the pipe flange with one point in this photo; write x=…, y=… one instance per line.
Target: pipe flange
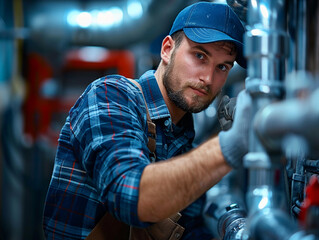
x=234, y=216
x=258, y=86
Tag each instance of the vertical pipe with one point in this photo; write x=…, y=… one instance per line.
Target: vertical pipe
x=312, y=41
x=266, y=50
x=297, y=34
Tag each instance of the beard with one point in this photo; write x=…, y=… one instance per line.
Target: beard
x=177, y=97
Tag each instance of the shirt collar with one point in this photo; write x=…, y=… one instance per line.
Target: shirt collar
x=153, y=96
x=156, y=104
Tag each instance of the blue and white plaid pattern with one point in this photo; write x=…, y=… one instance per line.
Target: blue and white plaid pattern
x=102, y=152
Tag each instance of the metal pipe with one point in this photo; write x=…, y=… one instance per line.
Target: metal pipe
x=294, y=116
x=266, y=51
x=312, y=41
x=115, y=24
x=232, y=224
x=225, y=209
x=272, y=224
x=266, y=48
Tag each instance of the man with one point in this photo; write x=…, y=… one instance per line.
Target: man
x=103, y=162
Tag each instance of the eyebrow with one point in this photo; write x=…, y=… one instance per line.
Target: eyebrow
x=200, y=47
x=231, y=63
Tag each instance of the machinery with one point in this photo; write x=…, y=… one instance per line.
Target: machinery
x=278, y=194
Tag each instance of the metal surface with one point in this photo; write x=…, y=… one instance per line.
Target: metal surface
x=294, y=116
x=266, y=51
x=271, y=224
x=283, y=83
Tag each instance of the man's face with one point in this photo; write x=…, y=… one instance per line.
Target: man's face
x=196, y=73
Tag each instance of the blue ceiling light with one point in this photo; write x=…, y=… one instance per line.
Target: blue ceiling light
x=84, y=19
x=134, y=9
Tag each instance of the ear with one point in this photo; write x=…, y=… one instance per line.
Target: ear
x=167, y=48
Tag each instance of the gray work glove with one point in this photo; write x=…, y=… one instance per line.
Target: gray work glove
x=234, y=142
x=226, y=112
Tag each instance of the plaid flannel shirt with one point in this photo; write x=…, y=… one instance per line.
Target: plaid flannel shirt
x=101, y=155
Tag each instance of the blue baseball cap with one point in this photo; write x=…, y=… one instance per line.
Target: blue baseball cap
x=205, y=22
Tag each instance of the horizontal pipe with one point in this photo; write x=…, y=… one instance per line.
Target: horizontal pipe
x=295, y=116
x=51, y=22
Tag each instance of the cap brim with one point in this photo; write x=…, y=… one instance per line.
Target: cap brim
x=207, y=35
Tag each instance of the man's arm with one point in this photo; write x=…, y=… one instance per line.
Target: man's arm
x=176, y=183
x=170, y=186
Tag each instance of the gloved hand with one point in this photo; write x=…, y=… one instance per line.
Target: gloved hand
x=234, y=142
x=226, y=112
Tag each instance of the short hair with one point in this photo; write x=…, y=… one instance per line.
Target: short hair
x=178, y=37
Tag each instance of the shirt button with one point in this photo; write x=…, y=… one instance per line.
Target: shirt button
x=177, y=235
x=165, y=146
x=166, y=123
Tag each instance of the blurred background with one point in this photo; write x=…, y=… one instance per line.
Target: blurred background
x=49, y=52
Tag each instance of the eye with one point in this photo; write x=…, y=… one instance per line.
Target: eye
x=200, y=56
x=222, y=67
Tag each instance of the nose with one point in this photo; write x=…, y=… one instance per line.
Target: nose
x=208, y=75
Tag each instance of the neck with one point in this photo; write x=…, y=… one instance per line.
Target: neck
x=175, y=112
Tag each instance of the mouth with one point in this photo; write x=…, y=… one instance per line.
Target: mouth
x=199, y=91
